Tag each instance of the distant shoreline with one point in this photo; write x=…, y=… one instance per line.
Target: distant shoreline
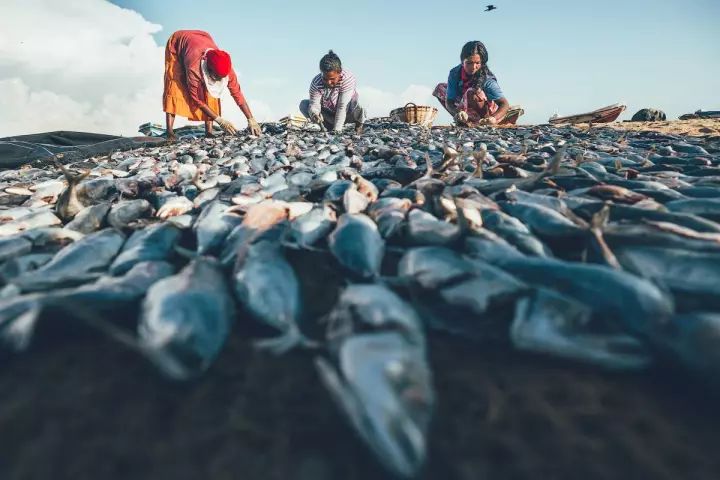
x=699, y=127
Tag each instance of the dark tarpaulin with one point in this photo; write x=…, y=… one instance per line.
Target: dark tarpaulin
x=22, y=149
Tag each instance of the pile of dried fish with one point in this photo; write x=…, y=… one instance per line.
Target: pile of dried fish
x=596, y=246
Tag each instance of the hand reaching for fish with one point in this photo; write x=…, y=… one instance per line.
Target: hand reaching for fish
x=254, y=127
x=461, y=117
x=316, y=117
x=226, y=125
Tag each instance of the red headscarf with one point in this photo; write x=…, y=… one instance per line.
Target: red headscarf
x=218, y=62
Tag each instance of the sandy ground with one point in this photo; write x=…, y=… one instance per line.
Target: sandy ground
x=694, y=128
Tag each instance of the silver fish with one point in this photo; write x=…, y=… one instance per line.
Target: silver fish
x=154, y=243
x=308, y=229
x=266, y=286
x=122, y=214
x=213, y=226
x=357, y=245
x=550, y=323
x=186, y=319
x=383, y=385
x=39, y=218
x=78, y=263
x=101, y=299
x=90, y=219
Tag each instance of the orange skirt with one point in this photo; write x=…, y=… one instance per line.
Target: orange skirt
x=176, y=98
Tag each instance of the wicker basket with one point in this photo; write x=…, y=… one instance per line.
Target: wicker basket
x=415, y=114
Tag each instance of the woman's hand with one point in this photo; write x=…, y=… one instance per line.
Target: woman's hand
x=461, y=117
x=492, y=120
x=316, y=117
x=254, y=127
x=226, y=125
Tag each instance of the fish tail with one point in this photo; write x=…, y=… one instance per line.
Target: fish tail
x=186, y=253
x=600, y=219
x=158, y=357
x=286, y=342
x=16, y=333
x=554, y=166
x=462, y=220
x=91, y=319
x=71, y=178
x=395, y=282
x=479, y=157
x=598, y=222
x=428, y=163
x=310, y=248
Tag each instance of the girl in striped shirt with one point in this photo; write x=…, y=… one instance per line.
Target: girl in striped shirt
x=333, y=97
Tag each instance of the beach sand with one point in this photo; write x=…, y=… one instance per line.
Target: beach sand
x=694, y=128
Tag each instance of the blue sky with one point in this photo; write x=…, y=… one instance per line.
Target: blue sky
x=103, y=70
x=553, y=55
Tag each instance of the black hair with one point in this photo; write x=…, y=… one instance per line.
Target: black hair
x=476, y=47
x=330, y=63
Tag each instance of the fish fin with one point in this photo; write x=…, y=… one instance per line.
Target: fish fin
x=612, y=351
x=462, y=220
x=479, y=157
x=286, y=342
x=10, y=290
x=186, y=252
x=91, y=319
x=307, y=248
x=554, y=165
x=600, y=219
x=17, y=333
x=340, y=393
x=290, y=244
x=395, y=282
x=158, y=357
x=72, y=178
x=597, y=225
x=428, y=163
x=552, y=168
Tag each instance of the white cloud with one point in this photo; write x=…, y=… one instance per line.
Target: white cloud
x=82, y=65
x=89, y=65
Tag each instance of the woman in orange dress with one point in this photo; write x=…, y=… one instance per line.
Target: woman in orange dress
x=196, y=73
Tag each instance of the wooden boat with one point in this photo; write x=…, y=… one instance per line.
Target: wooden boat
x=700, y=114
x=601, y=115
x=152, y=130
x=512, y=116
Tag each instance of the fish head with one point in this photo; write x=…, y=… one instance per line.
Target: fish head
x=383, y=386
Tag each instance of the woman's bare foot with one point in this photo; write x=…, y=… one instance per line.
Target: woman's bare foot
x=171, y=138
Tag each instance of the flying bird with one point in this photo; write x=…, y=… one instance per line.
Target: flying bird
x=490, y=8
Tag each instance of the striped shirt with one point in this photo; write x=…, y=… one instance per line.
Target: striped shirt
x=334, y=99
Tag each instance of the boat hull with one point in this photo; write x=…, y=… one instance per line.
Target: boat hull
x=601, y=115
